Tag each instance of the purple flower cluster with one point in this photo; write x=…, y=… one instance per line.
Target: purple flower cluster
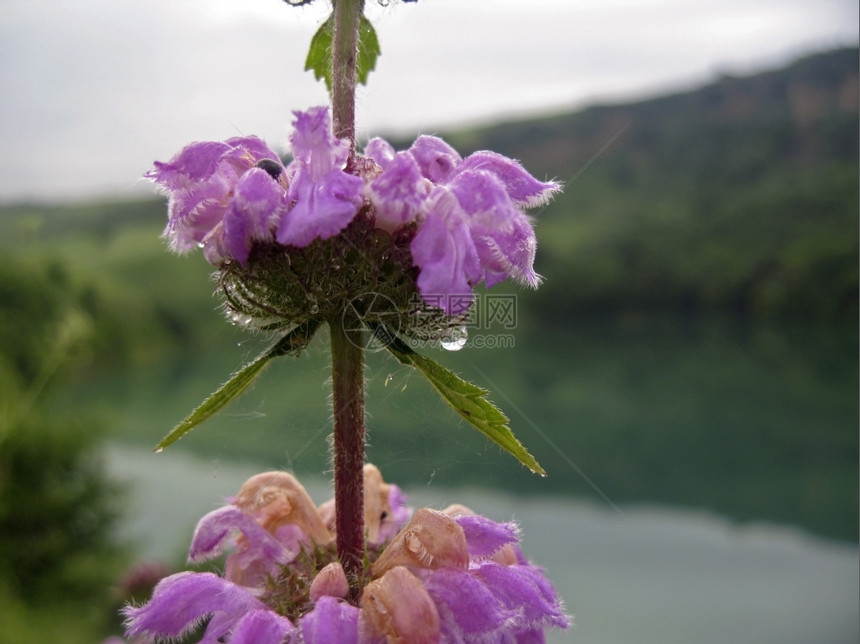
x=226, y=196
x=471, y=226
x=449, y=576
x=468, y=213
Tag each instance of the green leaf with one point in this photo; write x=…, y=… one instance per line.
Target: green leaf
x=292, y=343
x=319, y=59
x=467, y=399
x=319, y=54
x=368, y=50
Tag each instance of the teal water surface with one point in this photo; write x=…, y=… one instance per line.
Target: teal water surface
x=636, y=574
x=754, y=421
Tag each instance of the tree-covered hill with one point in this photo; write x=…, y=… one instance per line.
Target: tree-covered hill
x=741, y=195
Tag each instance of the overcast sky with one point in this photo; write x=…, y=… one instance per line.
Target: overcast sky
x=92, y=91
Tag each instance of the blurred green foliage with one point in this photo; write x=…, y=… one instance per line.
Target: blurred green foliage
x=694, y=342
x=58, y=510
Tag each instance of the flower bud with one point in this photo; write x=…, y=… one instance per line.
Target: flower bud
x=430, y=540
x=330, y=581
x=276, y=499
x=376, y=506
x=398, y=608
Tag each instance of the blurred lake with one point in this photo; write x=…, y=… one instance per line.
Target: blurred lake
x=754, y=421
x=635, y=575
x=702, y=472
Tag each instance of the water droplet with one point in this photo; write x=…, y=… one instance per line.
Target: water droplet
x=199, y=244
x=455, y=339
x=240, y=320
x=388, y=379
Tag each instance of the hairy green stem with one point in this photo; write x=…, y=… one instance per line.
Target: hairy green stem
x=347, y=361
x=347, y=14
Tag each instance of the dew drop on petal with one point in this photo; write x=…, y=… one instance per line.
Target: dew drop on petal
x=455, y=339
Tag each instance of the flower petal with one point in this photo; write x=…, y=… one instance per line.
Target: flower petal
x=199, y=181
x=262, y=627
x=398, y=193
x=444, y=251
x=468, y=610
x=503, y=235
x=313, y=143
x=322, y=209
x=180, y=602
x=194, y=163
x=214, y=529
x=436, y=159
x=508, y=254
x=256, y=556
x=520, y=588
x=380, y=151
x=330, y=622
x=258, y=204
x=193, y=214
x=249, y=149
x=521, y=186
x=484, y=536
x=482, y=196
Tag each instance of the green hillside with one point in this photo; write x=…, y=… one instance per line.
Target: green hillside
x=740, y=196
x=736, y=203
x=694, y=344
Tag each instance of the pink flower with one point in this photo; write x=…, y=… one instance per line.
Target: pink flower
x=325, y=197
x=201, y=183
x=449, y=576
x=468, y=214
x=471, y=224
x=228, y=196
